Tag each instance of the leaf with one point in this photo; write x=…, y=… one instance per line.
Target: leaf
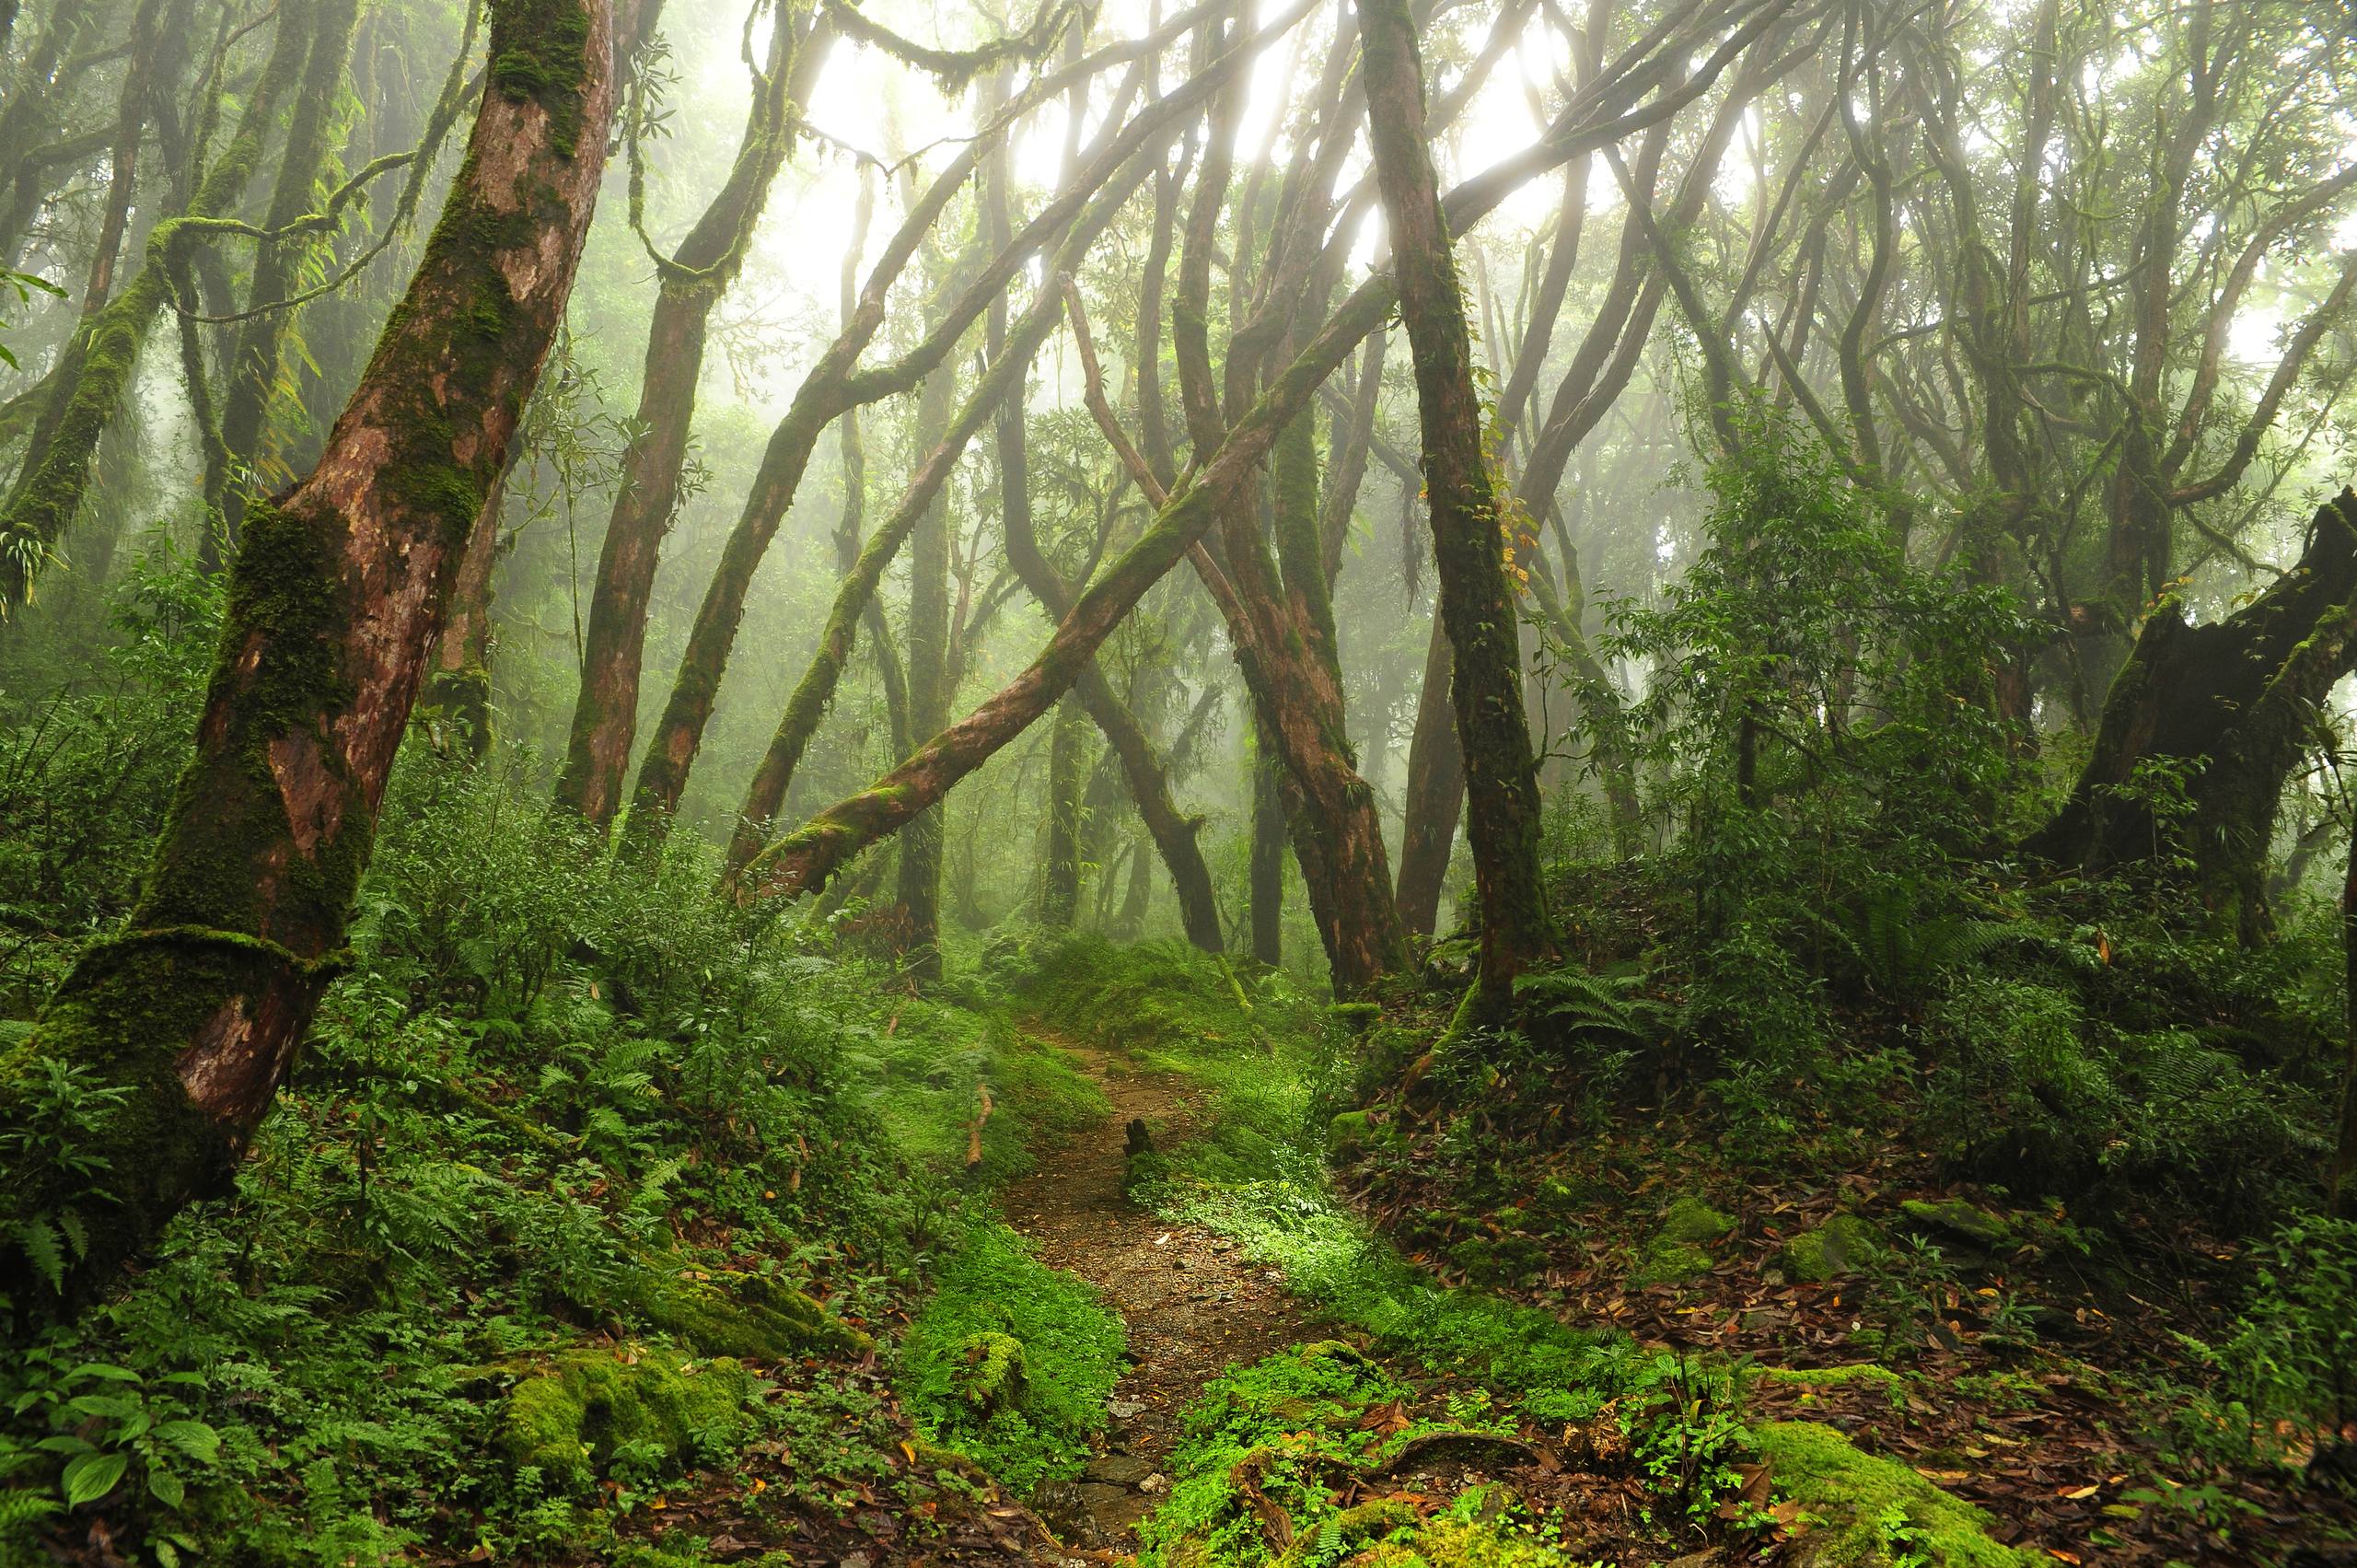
x=91, y=1476
x=169, y=1488
x=193, y=1438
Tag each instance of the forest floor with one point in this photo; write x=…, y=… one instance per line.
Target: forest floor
x=1191, y=1303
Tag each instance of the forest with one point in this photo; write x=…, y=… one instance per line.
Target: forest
x=1665, y=692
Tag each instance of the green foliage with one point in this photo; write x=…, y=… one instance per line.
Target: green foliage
x=2292, y=1354
x=554, y=1096
x=1010, y=1362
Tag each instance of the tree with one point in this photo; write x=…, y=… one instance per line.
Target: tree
x=196, y=1009
x=1476, y=606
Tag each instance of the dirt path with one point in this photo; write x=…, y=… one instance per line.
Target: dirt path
x=1191, y=1303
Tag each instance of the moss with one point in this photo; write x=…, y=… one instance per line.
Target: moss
x=1870, y=1512
x=1460, y=1543
x=1809, y=1380
x=1692, y=1220
x=1668, y=1262
x=1832, y=1249
x=991, y=1376
x=742, y=1314
x=1965, y=1221
x=543, y=56
x=569, y=1416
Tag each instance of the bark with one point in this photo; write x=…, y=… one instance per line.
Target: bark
x=2231, y=705
x=197, y=1007
x=252, y=372
x=1436, y=792
x=1271, y=832
x=699, y=273
x=1476, y=604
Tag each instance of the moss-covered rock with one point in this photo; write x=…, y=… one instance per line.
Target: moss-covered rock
x=1864, y=1512
x=990, y=1372
x=567, y=1416
x=1809, y=1380
x=1458, y=1543
x=1676, y=1252
x=1692, y=1220
x=741, y=1314
x=1832, y=1249
x=1958, y=1220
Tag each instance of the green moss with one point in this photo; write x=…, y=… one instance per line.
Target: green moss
x=1870, y=1512
x=1668, y=1262
x=543, y=55
x=568, y=1417
x=989, y=1374
x=1832, y=1249
x=742, y=1314
x=1692, y=1220
x=1965, y=1221
x=1462, y=1543
x=1011, y=1362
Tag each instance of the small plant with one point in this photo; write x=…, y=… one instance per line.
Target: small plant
x=48, y=1148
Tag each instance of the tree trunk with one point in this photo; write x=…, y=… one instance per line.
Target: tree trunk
x=2344, y=1152
x=929, y=689
x=1271, y=836
x=196, y=1009
x=1477, y=606
x=1067, y=771
x=1436, y=792
x=2228, y=708
x=605, y=714
x=814, y=693
x=836, y=384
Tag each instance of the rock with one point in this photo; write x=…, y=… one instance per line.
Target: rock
x=567, y=1415
x=1692, y=1220
x=1668, y=1262
x=1965, y=1221
x=1124, y=1410
x=1118, y=1469
x=1832, y=1249
x=1155, y=1484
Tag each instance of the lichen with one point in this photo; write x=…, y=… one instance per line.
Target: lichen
x=1866, y=1512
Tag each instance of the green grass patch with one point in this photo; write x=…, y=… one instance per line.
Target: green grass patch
x=1011, y=1361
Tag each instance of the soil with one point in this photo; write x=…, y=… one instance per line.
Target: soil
x=1193, y=1306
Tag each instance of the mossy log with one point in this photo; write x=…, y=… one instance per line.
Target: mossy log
x=2231, y=705
x=195, y=1010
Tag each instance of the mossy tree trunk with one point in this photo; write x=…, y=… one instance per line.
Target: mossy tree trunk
x=1272, y=839
x=1067, y=771
x=2203, y=725
x=690, y=285
x=1436, y=792
x=195, y=1009
x=1476, y=604
x=456, y=704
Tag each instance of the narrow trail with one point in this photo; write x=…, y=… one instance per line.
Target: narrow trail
x=1191, y=1302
